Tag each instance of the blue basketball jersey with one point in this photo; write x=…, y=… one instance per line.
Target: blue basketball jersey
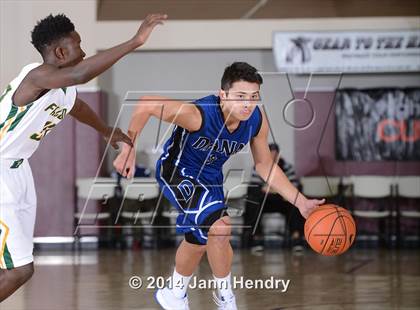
x=202, y=153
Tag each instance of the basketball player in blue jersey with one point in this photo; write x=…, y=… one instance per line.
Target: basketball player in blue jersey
x=30, y=107
x=189, y=172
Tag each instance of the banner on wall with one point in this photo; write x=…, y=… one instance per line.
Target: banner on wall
x=345, y=51
x=377, y=124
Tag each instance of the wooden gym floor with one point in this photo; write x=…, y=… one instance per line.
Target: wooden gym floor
x=360, y=279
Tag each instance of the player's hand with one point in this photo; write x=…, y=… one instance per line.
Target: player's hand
x=125, y=163
x=146, y=28
x=309, y=205
x=117, y=136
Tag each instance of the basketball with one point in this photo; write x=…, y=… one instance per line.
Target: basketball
x=330, y=230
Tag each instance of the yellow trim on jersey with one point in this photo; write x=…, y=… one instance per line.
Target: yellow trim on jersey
x=3, y=238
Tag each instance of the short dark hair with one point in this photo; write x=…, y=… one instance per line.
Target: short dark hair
x=50, y=29
x=240, y=71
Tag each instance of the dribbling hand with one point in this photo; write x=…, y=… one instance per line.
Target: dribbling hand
x=309, y=205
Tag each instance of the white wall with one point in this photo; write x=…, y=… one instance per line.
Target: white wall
x=17, y=19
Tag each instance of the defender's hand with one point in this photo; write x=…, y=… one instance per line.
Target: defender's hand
x=146, y=28
x=117, y=136
x=125, y=163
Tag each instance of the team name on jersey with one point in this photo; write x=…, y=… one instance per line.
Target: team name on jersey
x=224, y=146
x=56, y=111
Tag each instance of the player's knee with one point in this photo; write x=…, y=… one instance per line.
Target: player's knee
x=221, y=229
x=24, y=273
x=18, y=275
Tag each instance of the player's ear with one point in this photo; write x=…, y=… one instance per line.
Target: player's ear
x=60, y=53
x=222, y=94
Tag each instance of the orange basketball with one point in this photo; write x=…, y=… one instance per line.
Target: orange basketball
x=330, y=230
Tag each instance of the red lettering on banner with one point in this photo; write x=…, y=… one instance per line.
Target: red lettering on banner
x=381, y=130
x=401, y=131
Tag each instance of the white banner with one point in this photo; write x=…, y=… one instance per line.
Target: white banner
x=345, y=51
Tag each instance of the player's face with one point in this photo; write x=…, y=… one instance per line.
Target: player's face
x=241, y=99
x=72, y=52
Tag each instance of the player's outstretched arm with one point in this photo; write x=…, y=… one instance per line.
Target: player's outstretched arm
x=84, y=114
x=183, y=114
x=271, y=173
x=50, y=77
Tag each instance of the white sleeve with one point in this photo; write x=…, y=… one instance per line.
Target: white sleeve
x=70, y=99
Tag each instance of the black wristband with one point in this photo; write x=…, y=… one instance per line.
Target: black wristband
x=297, y=195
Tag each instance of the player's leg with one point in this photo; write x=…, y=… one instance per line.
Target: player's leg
x=17, y=219
x=191, y=250
x=184, y=194
x=11, y=280
x=16, y=252
x=214, y=229
x=188, y=256
x=220, y=255
x=219, y=250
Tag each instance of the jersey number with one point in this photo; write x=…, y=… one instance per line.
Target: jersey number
x=47, y=128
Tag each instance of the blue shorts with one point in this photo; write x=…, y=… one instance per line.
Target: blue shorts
x=195, y=200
